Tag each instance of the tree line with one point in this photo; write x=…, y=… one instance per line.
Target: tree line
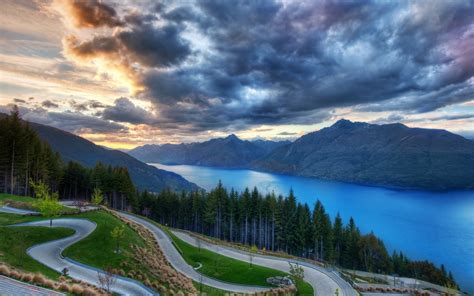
x=26, y=159
x=281, y=224
x=271, y=222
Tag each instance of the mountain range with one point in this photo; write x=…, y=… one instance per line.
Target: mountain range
x=390, y=155
x=230, y=152
x=75, y=148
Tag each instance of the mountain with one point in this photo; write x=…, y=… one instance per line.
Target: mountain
x=392, y=155
x=229, y=152
x=269, y=146
x=75, y=148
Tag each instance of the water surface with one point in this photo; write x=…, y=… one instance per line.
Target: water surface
x=438, y=226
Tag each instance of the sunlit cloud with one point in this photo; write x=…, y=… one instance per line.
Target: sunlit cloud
x=188, y=71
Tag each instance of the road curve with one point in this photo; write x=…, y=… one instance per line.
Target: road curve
x=177, y=261
x=11, y=287
x=10, y=210
x=50, y=254
x=323, y=281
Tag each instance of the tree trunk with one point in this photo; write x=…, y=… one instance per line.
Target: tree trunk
x=12, y=169
x=27, y=172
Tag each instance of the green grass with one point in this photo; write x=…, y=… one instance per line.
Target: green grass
x=304, y=287
x=235, y=272
x=26, y=202
x=16, y=240
x=5, y=196
x=210, y=291
x=98, y=248
x=224, y=268
x=95, y=250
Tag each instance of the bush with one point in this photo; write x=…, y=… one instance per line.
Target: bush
x=76, y=289
x=4, y=270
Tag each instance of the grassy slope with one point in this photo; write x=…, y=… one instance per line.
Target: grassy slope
x=246, y=273
x=26, y=202
x=4, y=196
x=98, y=248
x=231, y=270
x=16, y=240
x=225, y=268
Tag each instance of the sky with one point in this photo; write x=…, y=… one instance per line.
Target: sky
x=127, y=73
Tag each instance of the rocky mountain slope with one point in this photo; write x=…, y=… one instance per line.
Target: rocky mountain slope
x=386, y=155
x=75, y=148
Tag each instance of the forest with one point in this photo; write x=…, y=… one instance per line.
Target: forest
x=271, y=222
x=280, y=223
x=24, y=157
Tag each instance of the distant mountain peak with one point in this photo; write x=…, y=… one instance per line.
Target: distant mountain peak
x=232, y=137
x=347, y=124
x=343, y=123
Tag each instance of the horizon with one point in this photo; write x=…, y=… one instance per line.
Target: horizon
x=125, y=74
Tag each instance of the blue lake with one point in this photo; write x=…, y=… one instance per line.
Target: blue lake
x=437, y=226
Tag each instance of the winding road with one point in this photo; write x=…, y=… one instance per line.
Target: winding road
x=11, y=287
x=50, y=254
x=323, y=282
x=177, y=261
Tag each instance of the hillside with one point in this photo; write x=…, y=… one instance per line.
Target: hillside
x=386, y=155
x=221, y=152
x=72, y=147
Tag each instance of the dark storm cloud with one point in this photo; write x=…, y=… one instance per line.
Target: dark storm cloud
x=96, y=105
x=78, y=122
x=155, y=47
x=228, y=64
x=393, y=118
x=78, y=107
x=69, y=121
x=93, y=14
x=287, y=134
x=125, y=111
x=49, y=104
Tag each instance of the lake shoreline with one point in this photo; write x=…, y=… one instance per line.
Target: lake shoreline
x=425, y=225
x=390, y=187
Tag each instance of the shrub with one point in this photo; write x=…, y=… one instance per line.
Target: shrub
x=64, y=287
x=39, y=279
x=27, y=277
x=89, y=292
x=4, y=270
x=49, y=284
x=76, y=289
x=15, y=274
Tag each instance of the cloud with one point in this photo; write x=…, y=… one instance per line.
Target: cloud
x=124, y=110
x=225, y=65
x=93, y=14
x=392, y=118
x=75, y=122
x=287, y=134
x=49, y=104
x=79, y=107
x=468, y=134
x=19, y=101
x=96, y=105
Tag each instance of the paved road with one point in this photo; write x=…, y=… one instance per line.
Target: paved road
x=49, y=254
x=10, y=210
x=11, y=287
x=180, y=265
x=323, y=282
x=401, y=281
